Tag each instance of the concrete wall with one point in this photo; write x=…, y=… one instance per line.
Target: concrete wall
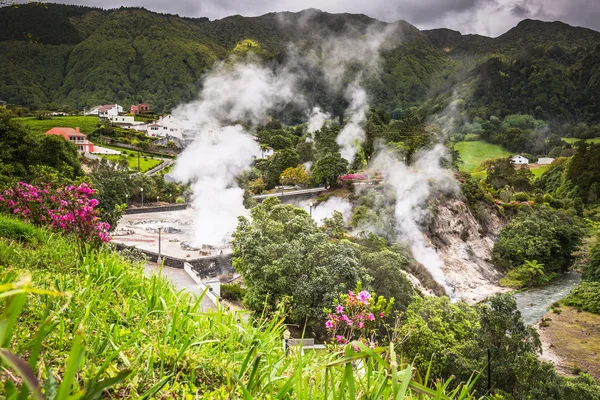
x=172, y=207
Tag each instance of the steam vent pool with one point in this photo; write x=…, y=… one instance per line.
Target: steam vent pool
x=141, y=231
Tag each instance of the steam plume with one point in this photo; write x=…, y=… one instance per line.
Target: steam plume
x=221, y=150
x=413, y=185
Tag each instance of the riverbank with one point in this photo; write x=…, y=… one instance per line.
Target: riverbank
x=571, y=340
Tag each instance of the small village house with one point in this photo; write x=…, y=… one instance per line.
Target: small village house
x=104, y=111
x=545, y=160
x=74, y=136
x=519, y=159
x=139, y=109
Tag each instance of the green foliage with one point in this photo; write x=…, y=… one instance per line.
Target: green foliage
x=539, y=233
x=328, y=168
x=585, y=297
x=529, y=274
x=284, y=257
x=232, y=291
x=22, y=152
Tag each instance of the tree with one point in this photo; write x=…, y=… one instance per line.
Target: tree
x=284, y=257
x=328, y=168
x=257, y=185
x=542, y=234
x=294, y=176
x=280, y=161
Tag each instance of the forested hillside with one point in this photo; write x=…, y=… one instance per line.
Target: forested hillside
x=58, y=56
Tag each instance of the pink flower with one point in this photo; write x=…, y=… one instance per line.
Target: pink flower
x=340, y=339
x=360, y=325
x=364, y=296
x=355, y=347
x=381, y=315
x=329, y=324
x=339, y=309
x=371, y=317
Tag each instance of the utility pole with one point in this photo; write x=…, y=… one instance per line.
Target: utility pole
x=142, y=192
x=159, y=249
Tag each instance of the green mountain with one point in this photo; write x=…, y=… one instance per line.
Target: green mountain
x=57, y=56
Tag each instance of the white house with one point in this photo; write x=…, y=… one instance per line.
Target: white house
x=519, y=159
x=106, y=110
x=545, y=160
x=167, y=125
x=124, y=120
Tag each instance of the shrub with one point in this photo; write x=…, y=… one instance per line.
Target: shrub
x=521, y=196
x=585, y=297
x=70, y=209
x=16, y=230
x=232, y=291
x=180, y=200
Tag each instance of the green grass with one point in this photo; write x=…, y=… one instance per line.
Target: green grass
x=81, y=322
x=87, y=124
x=145, y=164
x=575, y=140
x=537, y=172
x=474, y=153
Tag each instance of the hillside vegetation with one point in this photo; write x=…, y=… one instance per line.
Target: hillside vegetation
x=59, y=57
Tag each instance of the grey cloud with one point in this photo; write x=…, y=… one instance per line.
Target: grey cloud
x=520, y=11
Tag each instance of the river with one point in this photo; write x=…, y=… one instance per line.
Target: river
x=534, y=303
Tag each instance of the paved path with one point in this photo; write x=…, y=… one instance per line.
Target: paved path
x=166, y=162
x=290, y=193
x=181, y=280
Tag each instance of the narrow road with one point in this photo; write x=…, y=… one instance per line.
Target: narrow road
x=290, y=193
x=181, y=280
x=166, y=163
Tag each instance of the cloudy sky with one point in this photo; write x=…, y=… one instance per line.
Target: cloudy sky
x=486, y=17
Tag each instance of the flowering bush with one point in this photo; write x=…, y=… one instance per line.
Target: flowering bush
x=71, y=209
x=353, y=177
x=358, y=316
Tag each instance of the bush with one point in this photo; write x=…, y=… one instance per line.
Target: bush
x=232, y=292
x=585, y=297
x=521, y=196
x=16, y=230
x=180, y=200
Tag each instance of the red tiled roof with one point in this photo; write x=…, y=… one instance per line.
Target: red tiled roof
x=67, y=131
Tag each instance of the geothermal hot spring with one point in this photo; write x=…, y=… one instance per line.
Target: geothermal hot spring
x=177, y=236
x=141, y=231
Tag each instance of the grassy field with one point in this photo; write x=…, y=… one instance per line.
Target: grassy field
x=576, y=339
x=86, y=123
x=473, y=153
x=537, y=172
x=575, y=140
x=146, y=163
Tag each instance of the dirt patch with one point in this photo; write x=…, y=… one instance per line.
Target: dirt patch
x=571, y=340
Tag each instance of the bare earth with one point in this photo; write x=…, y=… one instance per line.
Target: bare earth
x=572, y=340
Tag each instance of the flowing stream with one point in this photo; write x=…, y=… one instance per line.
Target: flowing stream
x=534, y=303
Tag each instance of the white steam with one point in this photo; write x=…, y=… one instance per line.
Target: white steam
x=413, y=185
x=317, y=119
x=220, y=150
x=326, y=209
x=353, y=134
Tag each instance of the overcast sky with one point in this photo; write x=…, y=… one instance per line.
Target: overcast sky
x=486, y=17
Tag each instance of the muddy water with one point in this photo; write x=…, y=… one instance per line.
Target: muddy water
x=534, y=303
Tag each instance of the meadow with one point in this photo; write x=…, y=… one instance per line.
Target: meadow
x=575, y=140
x=474, y=153
x=87, y=124
x=146, y=163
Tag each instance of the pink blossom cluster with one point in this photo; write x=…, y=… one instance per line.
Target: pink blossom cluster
x=356, y=317
x=353, y=177
x=70, y=209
